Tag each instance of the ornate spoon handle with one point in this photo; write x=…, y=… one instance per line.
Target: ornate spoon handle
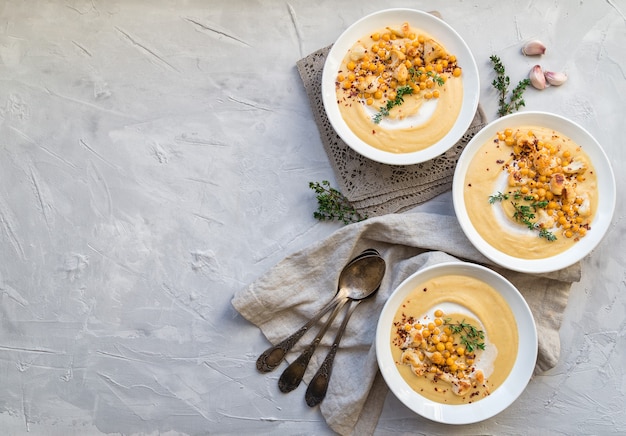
x=271, y=358
x=316, y=391
x=292, y=376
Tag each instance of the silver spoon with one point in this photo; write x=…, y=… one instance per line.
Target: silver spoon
x=292, y=376
x=360, y=279
x=271, y=358
x=316, y=391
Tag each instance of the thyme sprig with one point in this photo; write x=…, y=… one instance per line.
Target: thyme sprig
x=384, y=111
x=471, y=337
x=499, y=196
x=525, y=213
x=401, y=91
x=545, y=233
x=333, y=205
x=414, y=74
x=507, y=104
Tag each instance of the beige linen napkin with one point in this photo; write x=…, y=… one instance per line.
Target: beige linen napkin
x=374, y=188
x=283, y=299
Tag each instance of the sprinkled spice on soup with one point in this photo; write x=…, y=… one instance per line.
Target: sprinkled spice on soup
x=399, y=90
x=531, y=192
x=454, y=339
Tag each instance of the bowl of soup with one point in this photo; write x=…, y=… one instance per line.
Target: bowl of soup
x=534, y=192
x=400, y=86
x=456, y=343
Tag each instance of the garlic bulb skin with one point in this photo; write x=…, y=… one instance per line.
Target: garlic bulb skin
x=533, y=48
x=537, y=78
x=555, y=78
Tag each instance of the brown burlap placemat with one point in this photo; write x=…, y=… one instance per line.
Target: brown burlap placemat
x=375, y=188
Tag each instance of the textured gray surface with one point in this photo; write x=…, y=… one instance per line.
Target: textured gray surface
x=155, y=158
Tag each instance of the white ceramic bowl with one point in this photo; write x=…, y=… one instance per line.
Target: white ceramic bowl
x=500, y=398
x=606, y=189
x=441, y=31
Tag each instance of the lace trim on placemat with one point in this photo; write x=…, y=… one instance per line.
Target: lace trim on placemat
x=375, y=188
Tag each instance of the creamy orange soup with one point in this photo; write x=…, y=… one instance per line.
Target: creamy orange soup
x=399, y=90
x=531, y=192
x=433, y=345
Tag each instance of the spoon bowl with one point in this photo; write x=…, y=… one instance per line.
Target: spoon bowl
x=274, y=355
x=363, y=277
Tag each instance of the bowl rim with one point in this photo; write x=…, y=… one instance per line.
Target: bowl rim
x=498, y=400
x=606, y=188
x=449, y=37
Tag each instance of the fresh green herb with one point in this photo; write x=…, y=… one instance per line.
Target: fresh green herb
x=545, y=233
x=415, y=76
x=525, y=213
x=436, y=77
x=333, y=205
x=401, y=91
x=507, y=104
x=498, y=197
x=518, y=195
x=384, y=111
x=471, y=337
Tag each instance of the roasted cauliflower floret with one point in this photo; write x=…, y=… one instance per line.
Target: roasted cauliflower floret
x=370, y=84
x=578, y=165
x=460, y=386
x=544, y=163
x=401, y=73
x=517, y=179
x=358, y=52
x=433, y=51
x=397, y=57
x=544, y=220
x=557, y=184
x=584, y=209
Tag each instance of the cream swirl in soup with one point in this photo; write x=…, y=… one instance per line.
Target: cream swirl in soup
x=531, y=192
x=399, y=90
x=454, y=339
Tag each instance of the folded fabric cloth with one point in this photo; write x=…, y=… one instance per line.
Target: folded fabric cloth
x=283, y=299
x=374, y=188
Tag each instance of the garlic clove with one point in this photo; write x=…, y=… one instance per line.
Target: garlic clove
x=537, y=78
x=555, y=79
x=532, y=48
